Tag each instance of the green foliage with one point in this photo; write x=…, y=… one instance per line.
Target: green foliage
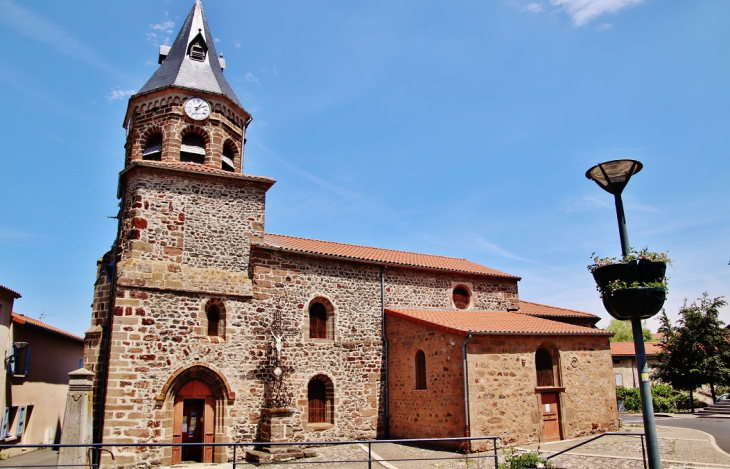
x=623, y=333
x=681, y=400
x=621, y=285
x=633, y=255
x=524, y=461
x=662, y=395
x=695, y=351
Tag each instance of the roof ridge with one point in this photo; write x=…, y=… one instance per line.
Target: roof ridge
x=371, y=247
x=23, y=319
x=555, y=307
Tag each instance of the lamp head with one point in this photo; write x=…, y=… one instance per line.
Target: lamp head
x=612, y=176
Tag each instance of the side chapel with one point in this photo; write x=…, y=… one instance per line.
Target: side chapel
x=199, y=314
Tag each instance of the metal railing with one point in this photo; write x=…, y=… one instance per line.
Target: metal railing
x=95, y=450
x=643, y=447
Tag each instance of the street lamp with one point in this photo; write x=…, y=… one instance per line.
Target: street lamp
x=612, y=176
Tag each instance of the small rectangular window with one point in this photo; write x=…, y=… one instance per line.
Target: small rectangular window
x=619, y=380
x=19, y=363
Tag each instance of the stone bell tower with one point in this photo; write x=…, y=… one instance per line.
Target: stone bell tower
x=166, y=294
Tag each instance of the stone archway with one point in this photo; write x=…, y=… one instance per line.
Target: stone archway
x=197, y=397
x=193, y=422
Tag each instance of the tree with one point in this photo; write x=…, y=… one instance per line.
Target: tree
x=696, y=350
x=622, y=331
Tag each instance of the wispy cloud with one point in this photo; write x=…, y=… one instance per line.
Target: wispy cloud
x=480, y=242
x=604, y=27
x=237, y=44
x=250, y=77
x=161, y=33
x=585, y=203
x=119, y=93
x=9, y=234
x=40, y=29
x=584, y=11
x=533, y=7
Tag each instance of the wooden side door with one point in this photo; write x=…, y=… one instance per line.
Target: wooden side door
x=177, y=430
x=209, y=428
x=550, y=416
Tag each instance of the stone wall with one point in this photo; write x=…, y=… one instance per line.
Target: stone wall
x=189, y=233
x=437, y=411
x=503, y=400
x=502, y=382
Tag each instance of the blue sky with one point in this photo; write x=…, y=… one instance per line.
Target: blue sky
x=454, y=128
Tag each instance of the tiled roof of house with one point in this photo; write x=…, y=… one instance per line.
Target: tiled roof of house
x=21, y=319
x=377, y=255
x=198, y=168
x=490, y=322
x=536, y=309
x=11, y=291
x=626, y=349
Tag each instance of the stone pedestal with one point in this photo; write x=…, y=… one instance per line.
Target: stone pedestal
x=276, y=426
x=77, y=419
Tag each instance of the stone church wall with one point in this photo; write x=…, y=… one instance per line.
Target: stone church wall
x=502, y=381
x=437, y=411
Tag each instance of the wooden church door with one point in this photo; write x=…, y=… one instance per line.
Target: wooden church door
x=193, y=422
x=550, y=416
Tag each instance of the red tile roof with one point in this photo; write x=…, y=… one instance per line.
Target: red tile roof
x=626, y=349
x=376, y=255
x=21, y=319
x=490, y=322
x=11, y=291
x=199, y=168
x=536, y=309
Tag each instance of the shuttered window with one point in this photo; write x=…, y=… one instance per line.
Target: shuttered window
x=317, y=321
x=317, y=395
x=544, y=366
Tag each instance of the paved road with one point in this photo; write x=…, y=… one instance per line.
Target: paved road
x=42, y=458
x=717, y=427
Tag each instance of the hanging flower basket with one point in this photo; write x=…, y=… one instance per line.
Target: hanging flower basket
x=640, y=302
x=634, y=286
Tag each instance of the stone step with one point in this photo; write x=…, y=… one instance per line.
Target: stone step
x=262, y=457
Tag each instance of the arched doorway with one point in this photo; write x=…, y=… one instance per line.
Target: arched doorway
x=201, y=389
x=194, y=422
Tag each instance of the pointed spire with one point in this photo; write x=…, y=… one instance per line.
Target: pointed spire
x=192, y=61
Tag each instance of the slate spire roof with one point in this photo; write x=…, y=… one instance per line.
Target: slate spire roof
x=180, y=69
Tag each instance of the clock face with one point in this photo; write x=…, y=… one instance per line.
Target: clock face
x=197, y=108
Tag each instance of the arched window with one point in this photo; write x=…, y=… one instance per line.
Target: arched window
x=544, y=367
x=192, y=149
x=320, y=397
x=215, y=320
x=460, y=297
x=152, y=150
x=214, y=316
x=229, y=155
x=420, y=370
x=318, y=321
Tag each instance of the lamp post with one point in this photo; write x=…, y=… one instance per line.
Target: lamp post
x=612, y=176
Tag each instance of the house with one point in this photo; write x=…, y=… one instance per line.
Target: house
x=38, y=358
x=201, y=319
x=623, y=356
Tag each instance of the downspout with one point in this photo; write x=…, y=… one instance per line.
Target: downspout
x=467, y=427
x=385, y=351
x=107, y=335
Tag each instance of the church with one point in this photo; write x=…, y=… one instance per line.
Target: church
x=205, y=327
